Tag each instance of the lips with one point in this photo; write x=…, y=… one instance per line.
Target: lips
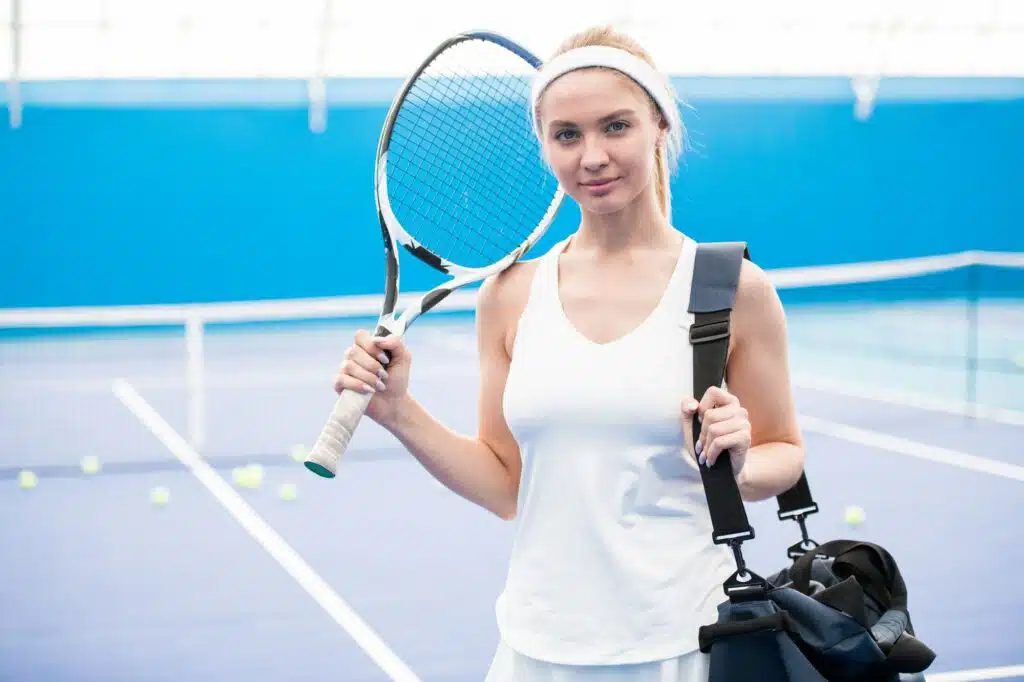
x=599, y=188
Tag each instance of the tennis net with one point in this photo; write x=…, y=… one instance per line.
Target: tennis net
x=253, y=379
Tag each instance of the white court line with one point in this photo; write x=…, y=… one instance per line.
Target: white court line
x=465, y=342
x=273, y=543
x=217, y=380
x=912, y=448
x=1001, y=415
x=978, y=675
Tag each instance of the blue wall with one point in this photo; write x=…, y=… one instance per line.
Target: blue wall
x=124, y=203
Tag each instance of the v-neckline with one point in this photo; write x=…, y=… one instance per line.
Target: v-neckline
x=628, y=334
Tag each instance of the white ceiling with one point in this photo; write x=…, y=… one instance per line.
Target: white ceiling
x=78, y=39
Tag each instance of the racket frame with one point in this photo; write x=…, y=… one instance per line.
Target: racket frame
x=323, y=460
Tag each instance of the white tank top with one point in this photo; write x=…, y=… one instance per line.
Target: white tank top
x=612, y=560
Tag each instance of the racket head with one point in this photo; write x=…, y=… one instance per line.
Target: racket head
x=461, y=180
x=460, y=183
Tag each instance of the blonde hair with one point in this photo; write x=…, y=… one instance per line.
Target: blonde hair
x=666, y=154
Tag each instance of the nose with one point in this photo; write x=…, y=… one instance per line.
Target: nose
x=594, y=155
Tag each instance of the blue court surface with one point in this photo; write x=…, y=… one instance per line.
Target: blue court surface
x=381, y=573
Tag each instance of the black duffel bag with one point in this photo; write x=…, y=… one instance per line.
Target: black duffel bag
x=838, y=612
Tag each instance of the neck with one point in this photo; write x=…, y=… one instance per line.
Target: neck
x=641, y=223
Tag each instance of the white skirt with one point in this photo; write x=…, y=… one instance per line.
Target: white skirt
x=511, y=666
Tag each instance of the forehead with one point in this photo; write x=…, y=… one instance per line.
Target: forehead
x=590, y=94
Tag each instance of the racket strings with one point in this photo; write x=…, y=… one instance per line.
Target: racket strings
x=498, y=189
x=466, y=178
x=527, y=149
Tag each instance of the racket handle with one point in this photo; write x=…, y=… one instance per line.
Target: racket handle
x=326, y=454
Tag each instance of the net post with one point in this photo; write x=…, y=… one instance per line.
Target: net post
x=971, y=370
x=865, y=90
x=14, y=102
x=317, y=113
x=316, y=88
x=195, y=391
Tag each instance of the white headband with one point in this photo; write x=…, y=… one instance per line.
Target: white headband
x=612, y=58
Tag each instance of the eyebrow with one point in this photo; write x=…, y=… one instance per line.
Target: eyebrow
x=615, y=114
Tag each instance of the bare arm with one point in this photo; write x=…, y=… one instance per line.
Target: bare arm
x=758, y=375
x=483, y=469
x=466, y=465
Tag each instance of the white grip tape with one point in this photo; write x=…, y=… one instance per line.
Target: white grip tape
x=337, y=433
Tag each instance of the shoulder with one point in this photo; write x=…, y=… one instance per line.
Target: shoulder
x=754, y=284
x=502, y=298
x=757, y=308
x=508, y=287
x=753, y=287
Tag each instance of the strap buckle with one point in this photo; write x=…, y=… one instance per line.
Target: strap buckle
x=709, y=332
x=806, y=544
x=733, y=539
x=743, y=584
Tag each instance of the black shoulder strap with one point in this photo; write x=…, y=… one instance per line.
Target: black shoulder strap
x=716, y=270
x=716, y=273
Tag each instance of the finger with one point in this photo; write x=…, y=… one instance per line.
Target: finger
x=344, y=382
x=723, y=443
x=712, y=397
x=395, y=347
x=712, y=431
x=723, y=413
x=708, y=432
x=361, y=366
x=371, y=344
x=368, y=359
x=687, y=420
x=689, y=409
x=716, y=415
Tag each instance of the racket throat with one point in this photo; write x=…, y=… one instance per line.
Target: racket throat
x=387, y=326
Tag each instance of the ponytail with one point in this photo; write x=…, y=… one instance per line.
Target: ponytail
x=662, y=189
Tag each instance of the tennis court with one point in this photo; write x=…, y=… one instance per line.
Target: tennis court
x=382, y=574
x=188, y=241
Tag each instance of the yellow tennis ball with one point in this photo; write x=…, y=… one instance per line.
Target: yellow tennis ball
x=91, y=464
x=299, y=453
x=27, y=480
x=854, y=515
x=238, y=475
x=287, y=492
x=160, y=496
x=254, y=475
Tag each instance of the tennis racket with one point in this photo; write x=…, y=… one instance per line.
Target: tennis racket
x=460, y=183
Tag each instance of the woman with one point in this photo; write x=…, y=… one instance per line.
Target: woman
x=586, y=398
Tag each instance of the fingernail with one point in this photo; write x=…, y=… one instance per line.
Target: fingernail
x=383, y=358
x=691, y=405
x=699, y=447
x=381, y=386
x=382, y=374
x=701, y=460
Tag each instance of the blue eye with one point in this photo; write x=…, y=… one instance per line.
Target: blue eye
x=618, y=126
x=561, y=135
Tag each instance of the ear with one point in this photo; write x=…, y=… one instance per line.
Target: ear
x=662, y=126
x=662, y=131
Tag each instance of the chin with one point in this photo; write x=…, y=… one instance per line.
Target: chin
x=610, y=203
